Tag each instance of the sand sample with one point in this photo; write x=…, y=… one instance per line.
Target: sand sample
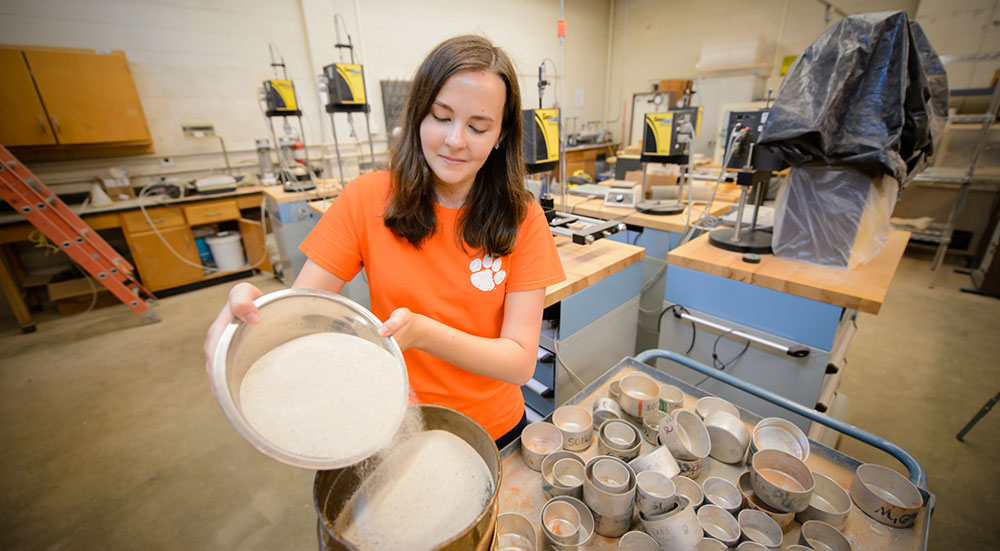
x=325, y=395
x=427, y=490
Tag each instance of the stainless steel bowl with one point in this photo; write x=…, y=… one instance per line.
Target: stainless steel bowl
x=332, y=490
x=286, y=315
x=886, y=496
x=719, y=524
x=829, y=503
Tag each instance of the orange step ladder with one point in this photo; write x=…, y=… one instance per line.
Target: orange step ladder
x=36, y=202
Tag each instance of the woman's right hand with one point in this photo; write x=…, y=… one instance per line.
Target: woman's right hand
x=239, y=305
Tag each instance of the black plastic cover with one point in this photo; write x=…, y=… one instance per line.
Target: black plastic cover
x=870, y=92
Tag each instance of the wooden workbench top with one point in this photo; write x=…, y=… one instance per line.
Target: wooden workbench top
x=584, y=264
x=594, y=207
x=132, y=204
x=325, y=189
x=861, y=288
x=587, y=264
x=14, y=227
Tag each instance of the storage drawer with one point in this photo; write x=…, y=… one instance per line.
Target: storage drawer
x=163, y=217
x=208, y=213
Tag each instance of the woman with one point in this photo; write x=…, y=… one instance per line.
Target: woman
x=456, y=253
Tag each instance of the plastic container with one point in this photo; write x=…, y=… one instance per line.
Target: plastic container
x=227, y=250
x=285, y=315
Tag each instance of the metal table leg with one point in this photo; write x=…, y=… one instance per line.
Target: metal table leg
x=982, y=413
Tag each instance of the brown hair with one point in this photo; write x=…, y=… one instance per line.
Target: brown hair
x=498, y=200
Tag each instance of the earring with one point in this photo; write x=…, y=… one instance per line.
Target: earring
x=497, y=146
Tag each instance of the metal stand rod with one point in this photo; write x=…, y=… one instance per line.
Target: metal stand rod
x=975, y=419
x=336, y=149
x=277, y=148
x=761, y=192
x=739, y=214
x=371, y=142
x=644, y=165
x=225, y=155
x=305, y=147
x=917, y=473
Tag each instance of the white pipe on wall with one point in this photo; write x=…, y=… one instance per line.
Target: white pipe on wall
x=607, y=70
x=781, y=35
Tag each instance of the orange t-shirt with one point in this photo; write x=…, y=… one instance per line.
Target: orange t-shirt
x=463, y=290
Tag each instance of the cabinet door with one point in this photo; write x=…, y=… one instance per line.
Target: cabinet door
x=158, y=267
x=90, y=97
x=255, y=243
x=23, y=120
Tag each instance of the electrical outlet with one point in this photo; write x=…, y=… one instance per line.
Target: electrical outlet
x=167, y=162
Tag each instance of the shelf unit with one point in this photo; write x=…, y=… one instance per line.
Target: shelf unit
x=941, y=233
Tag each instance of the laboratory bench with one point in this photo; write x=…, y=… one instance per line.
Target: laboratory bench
x=156, y=266
x=595, y=309
x=780, y=324
x=292, y=219
x=658, y=235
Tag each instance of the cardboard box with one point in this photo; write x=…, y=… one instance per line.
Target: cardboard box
x=674, y=89
x=652, y=180
x=75, y=295
x=118, y=189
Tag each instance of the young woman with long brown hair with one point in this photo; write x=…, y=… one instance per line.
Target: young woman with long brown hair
x=456, y=253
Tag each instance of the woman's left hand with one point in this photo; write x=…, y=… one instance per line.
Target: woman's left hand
x=404, y=325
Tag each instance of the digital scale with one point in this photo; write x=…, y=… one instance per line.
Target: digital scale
x=622, y=194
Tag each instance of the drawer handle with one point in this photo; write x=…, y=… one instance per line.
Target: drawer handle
x=41, y=122
x=159, y=220
x=55, y=120
x=214, y=213
x=797, y=351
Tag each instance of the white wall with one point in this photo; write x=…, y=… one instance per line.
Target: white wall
x=661, y=39
x=204, y=60
x=392, y=47
x=962, y=28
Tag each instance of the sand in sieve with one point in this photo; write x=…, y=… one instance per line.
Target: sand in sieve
x=427, y=489
x=326, y=395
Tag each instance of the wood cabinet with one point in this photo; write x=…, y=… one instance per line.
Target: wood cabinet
x=585, y=158
x=135, y=221
x=70, y=97
x=22, y=120
x=209, y=213
x=158, y=267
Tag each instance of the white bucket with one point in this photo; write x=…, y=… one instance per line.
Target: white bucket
x=227, y=249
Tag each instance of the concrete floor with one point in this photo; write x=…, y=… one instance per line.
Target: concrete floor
x=112, y=439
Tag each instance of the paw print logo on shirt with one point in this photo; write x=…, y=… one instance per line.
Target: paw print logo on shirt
x=487, y=273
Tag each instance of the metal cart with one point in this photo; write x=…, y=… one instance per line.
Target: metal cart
x=521, y=487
